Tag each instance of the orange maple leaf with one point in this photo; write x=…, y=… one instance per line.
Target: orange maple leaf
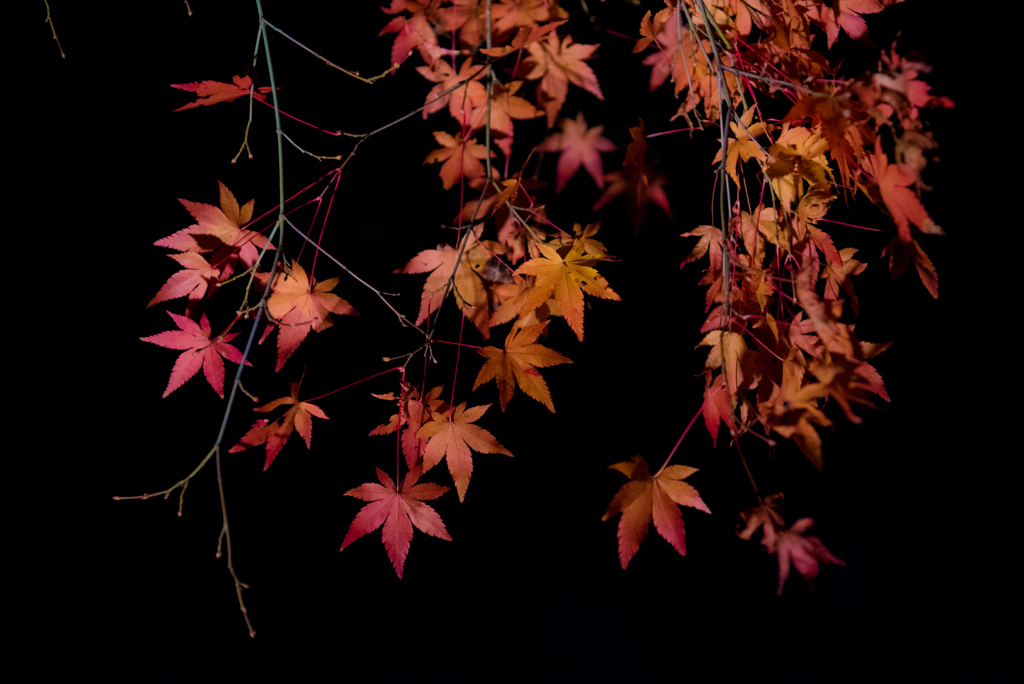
x=212, y=92
x=452, y=435
x=275, y=434
x=192, y=280
x=524, y=36
x=646, y=496
x=397, y=510
x=743, y=146
x=459, y=101
x=893, y=183
x=505, y=106
x=565, y=280
x=556, y=65
x=727, y=349
x=461, y=158
x=299, y=306
x=517, y=363
x=832, y=114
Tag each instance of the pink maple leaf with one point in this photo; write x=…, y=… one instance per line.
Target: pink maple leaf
x=397, y=510
x=578, y=145
x=199, y=351
x=803, y=552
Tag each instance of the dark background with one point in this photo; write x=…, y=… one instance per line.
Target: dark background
x=915, y=499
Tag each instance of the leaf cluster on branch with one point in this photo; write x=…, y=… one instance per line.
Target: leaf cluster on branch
x=796, y=140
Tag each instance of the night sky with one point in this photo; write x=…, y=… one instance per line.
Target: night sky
x=915, y=499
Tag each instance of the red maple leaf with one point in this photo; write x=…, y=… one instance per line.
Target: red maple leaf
x=646, y=496
x=275, y=434
x=212, y=92
x=637, y=179
x=578, y=145
x=199, y=351
x=397, y=510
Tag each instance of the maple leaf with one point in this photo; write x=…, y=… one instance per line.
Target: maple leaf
x=832, y=115
x=212, y=92
x=199, y=351
x=397, y=510
x=636, y=179
x=728, y=350
x=413, y=32
x=510, y=14
x=646, y=496
x=505, y=106
x=675, y=59
x=459, y=101
x=411, y=414
x=517, y=364
x=470, y=294
x=717, y=409
x=846, y=15
x=893, y=184
x=578, y=145
x=460, y=158
x=803, y=552
x=565, y=280
x=275, y=434
x=524, y=36
x=899, y=252
x=767, y=517
x=743, y=146
x=840, y=277
x=796, y=417
x=219, y=227
x=452, y=435
x=192, y=281
x=556, y=65
x=299, y=305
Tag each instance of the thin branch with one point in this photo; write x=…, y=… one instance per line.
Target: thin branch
x=766, y=79
x=353, y=74
x=401, y=317
x=49, y=20
x=443, y=93
x=252, y=92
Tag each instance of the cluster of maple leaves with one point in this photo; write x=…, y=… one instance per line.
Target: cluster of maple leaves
x=778, y=288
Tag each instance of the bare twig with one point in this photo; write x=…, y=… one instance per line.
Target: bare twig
x=353, y=74
x=49, y=20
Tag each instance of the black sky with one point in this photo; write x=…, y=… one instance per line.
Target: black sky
x=915, y=499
